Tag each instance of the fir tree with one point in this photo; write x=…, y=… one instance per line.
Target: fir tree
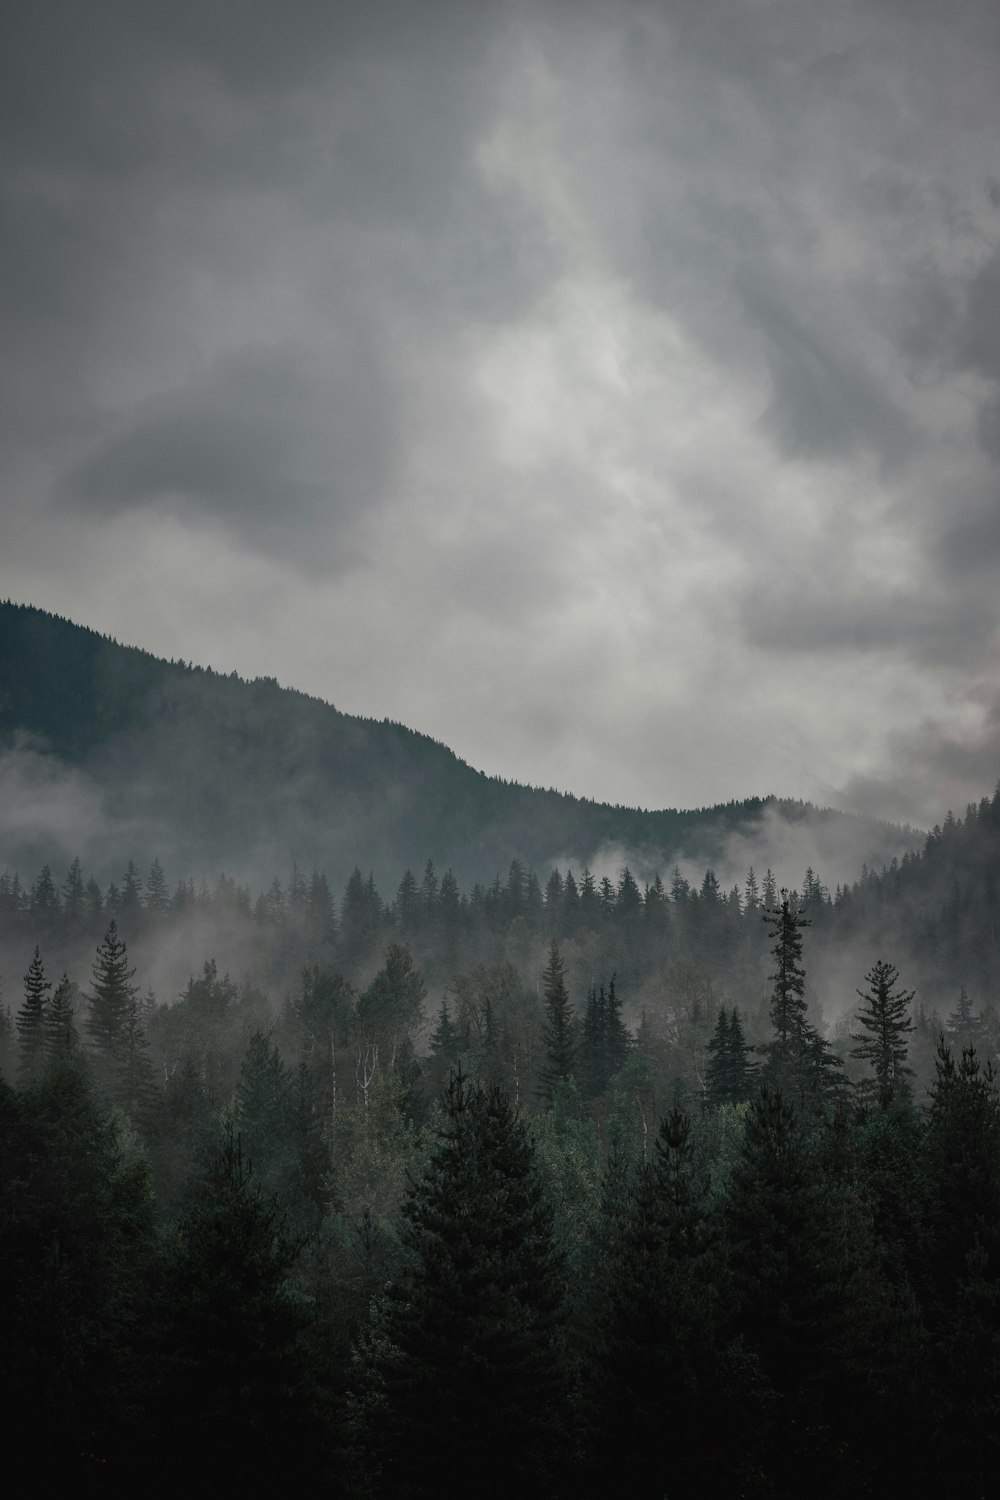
x=963, y=1026
x=235, y=1399
x=558, y=1032
x=44, y=901
x=799, y=1062
x=157, y=890
x=135, y=1088
x=884, y=1016
x=730, y=1075
x=464, y=1373
x=61, y=1038
x=74, y=893
x=108, y=1005
x=31, y=1019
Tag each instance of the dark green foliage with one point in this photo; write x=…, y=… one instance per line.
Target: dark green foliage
x=31, y=1022
x=276, y=1116
x=798, y=1061
x=234, y=1399
x=392, y=1005
x=963, y=1250
x=464, y=1367
x=62, y=1040
x=730, y=1076
x=559, y=1030
x=796, y=1253
x=75, y=1245
x=185, y=1137
x=884, y=1016
x=605, y=1041
x=109, y=1004
x=660, y=1362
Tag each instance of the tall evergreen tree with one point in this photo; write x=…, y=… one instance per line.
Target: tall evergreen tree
x=884, y=1017
x=62, y=1040
x=31, y=1018
x=559, y=1029
x=799, y=1062
x=74, y=893
x=465, y=1371
x=730, y=1075
x=108, y=1005
x=157, y=890
x=235, y=1403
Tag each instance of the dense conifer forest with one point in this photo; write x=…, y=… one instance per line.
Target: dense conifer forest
x=548, y=1186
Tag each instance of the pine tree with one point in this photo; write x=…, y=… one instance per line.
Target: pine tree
x=794, y=1280
x=31, y=1019
x=135, y=1088
x=730, y=1075
x=605, y=1041
x=558, y=1031
x=73, y=893
x=885, y=1018
x=465, y=1369
x=963, y=1026
x=44, y=901
x=658, y=1356
x=962, y=1254
x=109, y=1002
x=799, y=1062
x=61, y=1038
x=235, y=1401
x=157, y=890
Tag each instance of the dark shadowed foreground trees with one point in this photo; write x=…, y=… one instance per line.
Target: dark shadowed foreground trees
x=76, y=1248
x=233, y=1399
x=463, y=1377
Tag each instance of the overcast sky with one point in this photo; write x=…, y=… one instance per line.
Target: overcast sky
x=610, y=391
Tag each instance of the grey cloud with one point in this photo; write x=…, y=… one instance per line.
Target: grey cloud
x=979, y=332
x=823, y=401
x=931, y=765
x=261, y=447
x=970, y=544
x=817, y=619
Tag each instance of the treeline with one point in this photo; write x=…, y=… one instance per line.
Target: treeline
x=936, y=909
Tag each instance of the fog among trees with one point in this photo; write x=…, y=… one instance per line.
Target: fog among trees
x=562, y=1183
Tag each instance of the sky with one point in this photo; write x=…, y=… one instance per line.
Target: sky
x=611, y=391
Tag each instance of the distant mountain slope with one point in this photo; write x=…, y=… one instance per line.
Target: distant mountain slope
x=215, y=772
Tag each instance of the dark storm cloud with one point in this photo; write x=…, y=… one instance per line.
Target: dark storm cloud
x=823, y=400
x=941, y=630
x=259, y=446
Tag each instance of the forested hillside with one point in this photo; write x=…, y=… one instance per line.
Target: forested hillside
x=218, y=773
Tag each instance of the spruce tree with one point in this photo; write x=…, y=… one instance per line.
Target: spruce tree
x=730, y=1075
x=464, y=1371
x=799, y=1062
x=73, y=893
x=884, y=1016
x=658, y=1359
x=31, y=1018
x=108, y=1005
x=61, y=1038
x=235, y=1402
x=558, y=1031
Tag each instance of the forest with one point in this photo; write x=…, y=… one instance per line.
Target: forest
x=553, y=1185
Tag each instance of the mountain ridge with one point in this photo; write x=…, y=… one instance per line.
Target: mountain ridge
x=222, y=769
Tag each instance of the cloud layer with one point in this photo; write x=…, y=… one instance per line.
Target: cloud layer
x=610, y=391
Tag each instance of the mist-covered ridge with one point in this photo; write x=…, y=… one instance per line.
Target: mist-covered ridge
x=216, y=771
